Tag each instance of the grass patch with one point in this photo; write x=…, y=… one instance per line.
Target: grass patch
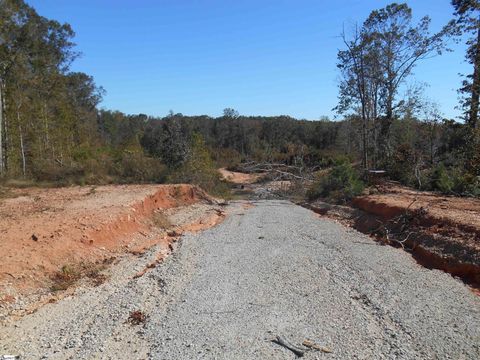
x=5, y=193
x=66, y=277
x=340, y=185
x=161, y=220
x=69, y=275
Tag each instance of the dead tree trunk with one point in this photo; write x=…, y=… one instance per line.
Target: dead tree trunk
x=22, y=145
x=22, y=148
x=474, y=100
x=2, y=158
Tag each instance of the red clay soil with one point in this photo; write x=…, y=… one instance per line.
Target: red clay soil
x=42, y=230
x=238, y=177
x=445, y=229
x=447, y=210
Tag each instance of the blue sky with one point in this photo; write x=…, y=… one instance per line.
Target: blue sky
x=265, y=57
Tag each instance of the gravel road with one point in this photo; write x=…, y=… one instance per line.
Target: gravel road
x=270, y=269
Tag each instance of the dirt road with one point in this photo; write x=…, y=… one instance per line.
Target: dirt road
x=269, y=269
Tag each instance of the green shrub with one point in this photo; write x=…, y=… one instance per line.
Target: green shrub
x=136, y=167
x=465, y=183
x=199, y=169
x=401, y=166
x=441, y=180
x=341, y=184
x=51, y=171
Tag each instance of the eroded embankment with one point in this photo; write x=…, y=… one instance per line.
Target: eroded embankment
x=51, y=237
x=434, y=241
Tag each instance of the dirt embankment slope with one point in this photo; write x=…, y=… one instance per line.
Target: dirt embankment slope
x=439, y=210
x=271, y=269
x=440, y=231
x=45, y=230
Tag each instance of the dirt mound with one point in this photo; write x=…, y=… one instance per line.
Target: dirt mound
x=240, y=178
x=45, y=230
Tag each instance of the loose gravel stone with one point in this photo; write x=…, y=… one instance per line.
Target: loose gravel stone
x=274, y=269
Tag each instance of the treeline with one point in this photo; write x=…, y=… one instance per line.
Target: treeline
x=47, y=113
x=427, y=152
x=376, y=63
x=52, y=130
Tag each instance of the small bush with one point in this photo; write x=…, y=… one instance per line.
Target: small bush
x=341, y=184
x=136, y=167
x=453, y=180
x=161, y=220
x=441, y=180
x=69, y=275
x=65, y=278
x=401, y=167
x=199, y=169
x=465, y=183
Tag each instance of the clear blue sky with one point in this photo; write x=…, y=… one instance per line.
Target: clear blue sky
x=264, y=57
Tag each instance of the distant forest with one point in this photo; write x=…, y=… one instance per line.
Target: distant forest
x=52, y=130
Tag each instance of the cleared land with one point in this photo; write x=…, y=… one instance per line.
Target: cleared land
x=51, y=238
x=269, y=269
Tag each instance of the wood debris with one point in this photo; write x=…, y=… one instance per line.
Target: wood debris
x=312, y=345
x=282, y=342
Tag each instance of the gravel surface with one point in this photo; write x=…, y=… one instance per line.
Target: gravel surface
x=267, y=270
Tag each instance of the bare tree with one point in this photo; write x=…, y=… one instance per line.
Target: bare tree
x=377, y=60
x=399, y=46
x=361, y=83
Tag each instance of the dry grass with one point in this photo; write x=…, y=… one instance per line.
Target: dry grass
x=69, y=275
x=65, y=278
x=5, y=193
x=137, y=317
x=8, y=193
x=161, y=220
x=95, y=273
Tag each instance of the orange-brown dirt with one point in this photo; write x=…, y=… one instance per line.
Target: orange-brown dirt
x=240, y=178
x=42, y=230
x=443, y=231
x=455, y=218
x=393, y=200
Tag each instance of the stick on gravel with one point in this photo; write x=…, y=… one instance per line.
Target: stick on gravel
x=281, y=341
x=310, y=344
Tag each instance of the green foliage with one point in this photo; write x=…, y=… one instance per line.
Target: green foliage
x=341, y=184
x=136, y=167
x=52, y=130
x=402, y=165
x=454, y=180
x=441, y=180
x=464, y=183
x=199, y=169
